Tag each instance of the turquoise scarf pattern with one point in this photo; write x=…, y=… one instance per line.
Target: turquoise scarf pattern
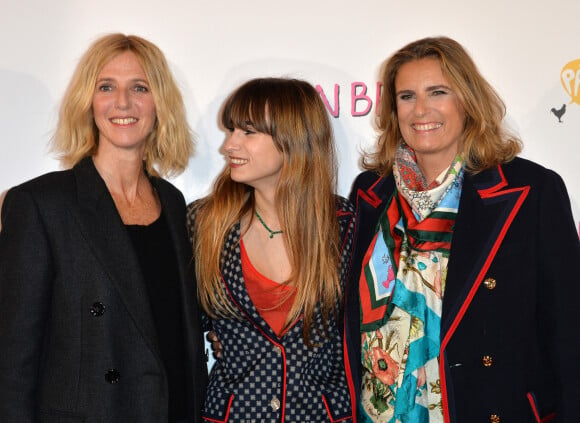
x=401, y=291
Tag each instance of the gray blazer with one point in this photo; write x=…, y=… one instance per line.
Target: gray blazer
x=77, y=338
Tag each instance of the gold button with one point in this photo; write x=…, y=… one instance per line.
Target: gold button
x=278, y=350
x=490, y=283
x=487, y=360
x=494, y=418
x=275, y=404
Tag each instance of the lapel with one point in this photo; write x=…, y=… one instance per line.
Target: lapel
x=110, y=243
x=233, y=278
x=369, y=204
x=487, y=208
x=174, y=212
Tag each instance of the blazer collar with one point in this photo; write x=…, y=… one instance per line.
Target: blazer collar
x=487, y=208
x=370, y=203
x=110, y=243
x=233, y=278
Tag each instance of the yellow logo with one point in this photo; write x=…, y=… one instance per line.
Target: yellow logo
x=570, y=77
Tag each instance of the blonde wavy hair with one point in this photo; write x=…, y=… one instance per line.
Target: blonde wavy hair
x=292, y=112
x=169, y=145
x=486, y=143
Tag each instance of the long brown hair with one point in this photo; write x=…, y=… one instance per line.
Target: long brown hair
x=485, y=142
x=292, y=113
x=169, y=145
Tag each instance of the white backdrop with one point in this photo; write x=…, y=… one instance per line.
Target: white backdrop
x=522, y=47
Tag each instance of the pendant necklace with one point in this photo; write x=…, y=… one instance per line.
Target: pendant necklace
x=272, y=233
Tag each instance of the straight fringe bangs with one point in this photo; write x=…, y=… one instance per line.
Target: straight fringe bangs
x=292, y=112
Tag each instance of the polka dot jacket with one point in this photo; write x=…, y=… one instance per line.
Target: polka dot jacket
x=263, y=378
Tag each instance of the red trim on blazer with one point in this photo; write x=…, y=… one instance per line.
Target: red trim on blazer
x=369, y=196
x=347, y=367
x=227, y=416
x=548, y=418
x=330, y=415
x=485, y=193
x=349, y=381
x=283, y=405
x=532, y=400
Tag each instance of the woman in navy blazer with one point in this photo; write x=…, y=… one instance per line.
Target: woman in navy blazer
x=99, y=318
x=463, y=283
x=272, y=246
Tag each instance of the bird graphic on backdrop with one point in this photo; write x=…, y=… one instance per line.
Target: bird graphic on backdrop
x=559, y=112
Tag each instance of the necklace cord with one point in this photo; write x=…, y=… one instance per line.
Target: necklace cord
x=272, y=233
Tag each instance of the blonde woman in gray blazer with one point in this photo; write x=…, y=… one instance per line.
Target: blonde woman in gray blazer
x=99, y=318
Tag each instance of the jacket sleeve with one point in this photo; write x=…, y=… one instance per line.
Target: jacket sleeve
x=558, y=257
x=192, y=209
x=26, y=274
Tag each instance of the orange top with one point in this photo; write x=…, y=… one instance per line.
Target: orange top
x=272, y=299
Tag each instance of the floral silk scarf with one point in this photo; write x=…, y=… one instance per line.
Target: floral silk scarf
x=401, y=291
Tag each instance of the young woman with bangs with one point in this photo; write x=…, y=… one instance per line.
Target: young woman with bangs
x=272, y=249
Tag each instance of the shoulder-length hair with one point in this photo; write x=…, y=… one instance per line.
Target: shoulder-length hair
x=169, y=145
x=293, y=114
x=485, y=141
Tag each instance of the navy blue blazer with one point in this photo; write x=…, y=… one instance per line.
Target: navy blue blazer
x=510, y=338
x=77, y=338
x=261, y=377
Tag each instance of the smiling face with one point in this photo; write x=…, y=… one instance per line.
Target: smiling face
x=431, y=120
x=253, y=158
x=123, y=106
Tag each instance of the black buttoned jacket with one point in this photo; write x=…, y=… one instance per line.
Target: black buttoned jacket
x=510, y=338
x=77, y=338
